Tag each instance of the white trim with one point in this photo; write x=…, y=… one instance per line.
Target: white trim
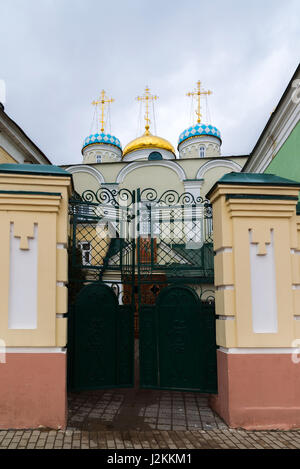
x=190, y=185
x=145, y=164
x=200, y=139
x=280, y=128
x=9, y=130
x=263, y=287
x=217, y=162
x=110, y=186
x=23, y=280
x=225, y=287
x=35, y=350
x=226, y=318
x=86, y=169
x=98, y=148
x=264, y=351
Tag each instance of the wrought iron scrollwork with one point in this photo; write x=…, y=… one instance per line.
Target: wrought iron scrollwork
x=116, y=198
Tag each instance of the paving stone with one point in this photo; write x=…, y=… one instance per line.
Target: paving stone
x=166, y=420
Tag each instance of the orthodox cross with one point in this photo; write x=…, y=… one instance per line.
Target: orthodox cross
x=103, y=100
x=198, y=92
x=146, y=98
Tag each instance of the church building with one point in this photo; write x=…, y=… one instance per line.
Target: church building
x=194, y=166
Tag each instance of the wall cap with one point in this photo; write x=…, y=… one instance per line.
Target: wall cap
x=40, y=169
x=249, y=179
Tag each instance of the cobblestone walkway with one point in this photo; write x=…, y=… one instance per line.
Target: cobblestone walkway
x=142, y=410
x=140, y=419
x=163, y=439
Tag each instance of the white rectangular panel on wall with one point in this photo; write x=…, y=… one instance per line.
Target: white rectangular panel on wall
x=22, y=312
x=263, y=288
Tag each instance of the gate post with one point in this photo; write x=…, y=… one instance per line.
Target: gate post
x=33, y=259
x=257, y=279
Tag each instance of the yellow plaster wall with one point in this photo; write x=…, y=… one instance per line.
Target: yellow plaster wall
x=6, y=157
x=50, y=213
x=159, y=177
x=212, y=176
x=83, y=181
x=233, y=218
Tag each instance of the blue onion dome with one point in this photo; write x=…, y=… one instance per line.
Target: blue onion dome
x=102, y=138
x=197, y=130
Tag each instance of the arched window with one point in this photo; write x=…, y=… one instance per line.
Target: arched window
x=202, y=151
x=98, y=158
x=155, y=155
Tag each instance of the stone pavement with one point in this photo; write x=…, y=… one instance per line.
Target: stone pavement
x=141, y=409
x=142, y=419
x=163, y=439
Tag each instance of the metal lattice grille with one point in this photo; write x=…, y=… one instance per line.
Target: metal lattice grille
x=138, y=233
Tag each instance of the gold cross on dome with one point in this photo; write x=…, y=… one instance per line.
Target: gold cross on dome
x=103, y=100
x=146, y=98
x=198, y=94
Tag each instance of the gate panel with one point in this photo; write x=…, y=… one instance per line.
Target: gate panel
x=101, y=297
x=149, y=372
x=125, y=346
x=178, y=347
x=102, y=331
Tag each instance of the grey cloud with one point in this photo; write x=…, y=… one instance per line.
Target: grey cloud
x=56, y=56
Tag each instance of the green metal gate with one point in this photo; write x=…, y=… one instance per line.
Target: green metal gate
x=141, y=264
x=103, y=340
x=177, y=342
x=175, y=292
x=101, y=312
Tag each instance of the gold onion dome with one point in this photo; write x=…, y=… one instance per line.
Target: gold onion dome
x=148, y=141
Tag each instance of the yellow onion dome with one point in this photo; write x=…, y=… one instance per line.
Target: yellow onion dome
x=148, y=141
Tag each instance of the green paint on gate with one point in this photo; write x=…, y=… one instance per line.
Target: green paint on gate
x=160, y=244
x=177, y=342
x=101, y=341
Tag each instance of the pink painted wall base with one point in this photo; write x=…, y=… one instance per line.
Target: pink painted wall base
x=258, y=391
x=33, y=391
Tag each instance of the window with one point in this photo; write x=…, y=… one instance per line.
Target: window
x=98, y=158
x=202, y=151
x=155, y=155
x=85, y=252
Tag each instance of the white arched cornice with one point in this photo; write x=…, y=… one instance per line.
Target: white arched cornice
x=145, y=164
x=86, y=169
x=215, y=164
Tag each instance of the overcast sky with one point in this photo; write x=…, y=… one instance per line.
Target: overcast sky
x=57, y=55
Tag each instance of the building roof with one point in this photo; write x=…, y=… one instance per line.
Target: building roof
x=272, y=117
x=199, y=130
x=254, y=179
x=148, y=140
x=38, y=169
x=20, y=137
x=102, y=138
